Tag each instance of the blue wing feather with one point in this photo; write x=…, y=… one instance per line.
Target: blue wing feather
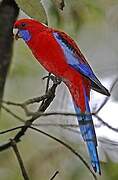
x=72, y=59
x=76, y=60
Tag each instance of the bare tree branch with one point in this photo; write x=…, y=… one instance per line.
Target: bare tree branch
x=46, y=101
x=20, y=161
x=108, y=141
x=106, y=124
x=68, y=147
x=107, y=97
x=48, y=82
x=12, y=113
x=11, y=129
x=8, y=14
x=29, y=122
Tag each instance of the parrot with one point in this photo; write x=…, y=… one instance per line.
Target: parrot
x=59, y=54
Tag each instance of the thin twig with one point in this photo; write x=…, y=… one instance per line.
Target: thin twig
x=46, y=101
x=20, y=161
x=68, y=127
x=108, y=142
x=48, y=94
x=11, y=103
x=48, y=82
x=55, y=174
x=11, y=113
x=27, y=102
x=106, y=124
x=11, y=129
x=68, y=147
x=38, y=114
x=47, y=86
x=56, y=125
x=107, y=98
x=28, y=123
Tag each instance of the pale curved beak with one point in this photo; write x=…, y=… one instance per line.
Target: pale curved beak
x=16, y=33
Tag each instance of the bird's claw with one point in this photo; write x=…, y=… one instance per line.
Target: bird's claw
x=54, y=79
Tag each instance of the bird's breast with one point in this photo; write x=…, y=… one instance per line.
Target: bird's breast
x=49, y=54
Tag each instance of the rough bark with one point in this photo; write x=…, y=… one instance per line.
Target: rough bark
x=8, y=14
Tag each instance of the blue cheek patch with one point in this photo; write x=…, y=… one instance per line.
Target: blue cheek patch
x=25, y=35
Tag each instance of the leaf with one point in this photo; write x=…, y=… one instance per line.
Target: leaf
x=59, y=4
x=33, y=8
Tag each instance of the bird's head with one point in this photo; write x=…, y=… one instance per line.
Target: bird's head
x=24, y=28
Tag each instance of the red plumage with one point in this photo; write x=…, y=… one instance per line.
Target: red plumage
x=50, y=55
x=60, y=55
x=46, y=49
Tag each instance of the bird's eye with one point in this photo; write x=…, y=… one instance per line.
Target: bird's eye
x=23, y=24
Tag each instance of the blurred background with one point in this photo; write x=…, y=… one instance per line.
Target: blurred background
x=94, y=26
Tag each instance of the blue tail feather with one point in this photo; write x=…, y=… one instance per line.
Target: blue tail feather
x=88, y=134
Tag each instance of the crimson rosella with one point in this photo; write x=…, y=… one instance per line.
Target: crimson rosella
x=60, y=55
